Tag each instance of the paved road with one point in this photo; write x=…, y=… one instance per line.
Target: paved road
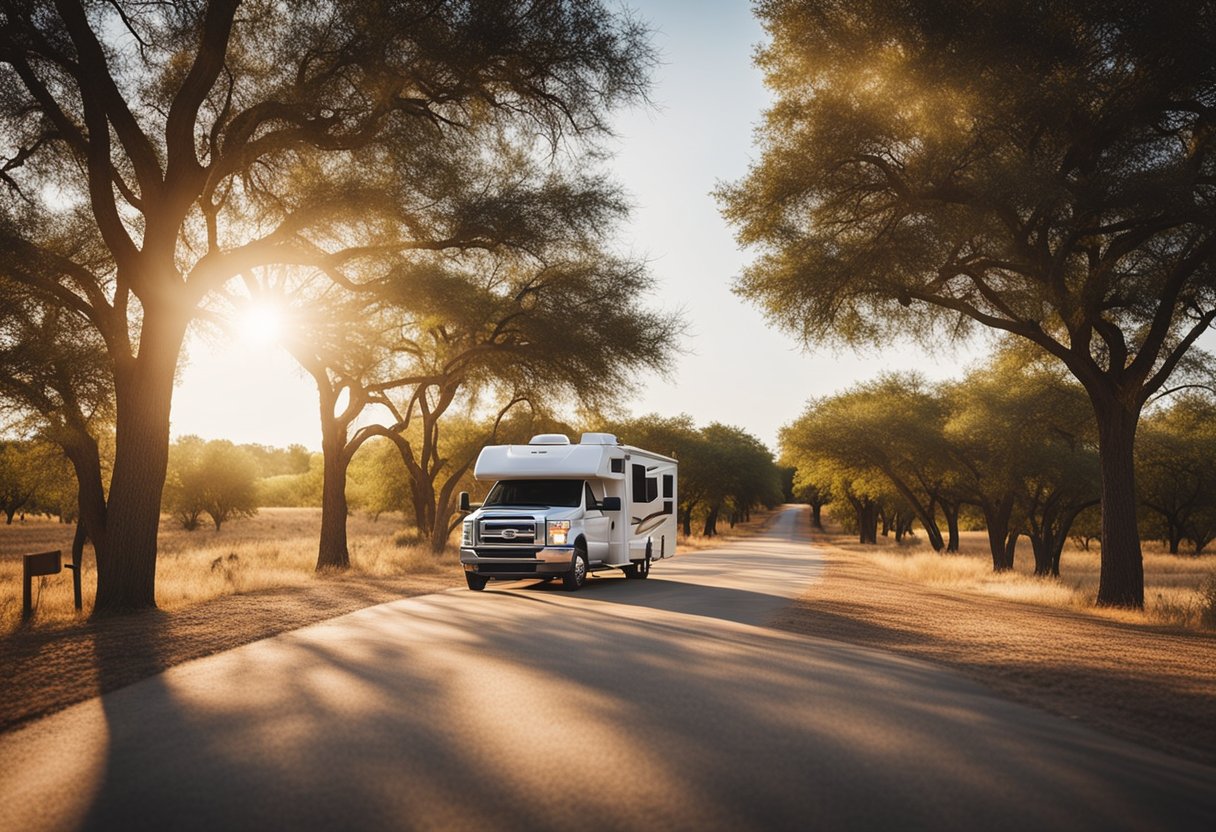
x=659, y=704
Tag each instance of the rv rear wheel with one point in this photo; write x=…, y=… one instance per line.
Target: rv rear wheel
x=475, y=581
x=639, y=569
x=577, y=576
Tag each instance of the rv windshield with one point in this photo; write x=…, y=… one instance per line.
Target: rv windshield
x=564, y=493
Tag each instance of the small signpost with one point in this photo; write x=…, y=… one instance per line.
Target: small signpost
x=45, y=563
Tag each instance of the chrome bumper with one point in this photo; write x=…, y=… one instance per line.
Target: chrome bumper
x=548, y=561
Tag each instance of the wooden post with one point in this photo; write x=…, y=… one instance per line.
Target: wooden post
x=43, y=563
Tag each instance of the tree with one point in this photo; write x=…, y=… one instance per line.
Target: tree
x=561, y=321
x=56, y=383
x=1019, y=438
x=822, y=469
x=196, y=143
x=814, y=494
x=890, y=429
x=745, y=475
x=215, y=478
x=1174, y=464
x=21, y=476
x=1041, y=170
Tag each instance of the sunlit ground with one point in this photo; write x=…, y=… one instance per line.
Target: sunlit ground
x=1172, y=590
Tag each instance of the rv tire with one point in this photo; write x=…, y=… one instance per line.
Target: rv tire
x=577, y=576
x=639, y=569
x=476, y=582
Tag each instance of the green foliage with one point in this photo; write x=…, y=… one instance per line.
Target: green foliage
x=293, y=490
x=379, y=481
x=1012, y=439
x=887, y=432
x=1175, y=459
x=274, y=462
x=1013, y=164
x=22, y=475
x=215, y=478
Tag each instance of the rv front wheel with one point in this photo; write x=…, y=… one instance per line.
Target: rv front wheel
x=577, y=576
x=475, y=581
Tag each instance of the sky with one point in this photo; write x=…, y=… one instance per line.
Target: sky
x=707, y=98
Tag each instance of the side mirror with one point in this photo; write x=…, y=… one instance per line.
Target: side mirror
x=464, y=501
x=610, y=504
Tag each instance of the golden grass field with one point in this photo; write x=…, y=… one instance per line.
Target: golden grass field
x=277, y=547
x=1177, y=588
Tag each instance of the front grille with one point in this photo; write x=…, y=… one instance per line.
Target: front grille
x=517, y=552
x=514, y=568
x=509, y=531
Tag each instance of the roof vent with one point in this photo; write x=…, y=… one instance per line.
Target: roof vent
x=598, y=439
x=550, y=439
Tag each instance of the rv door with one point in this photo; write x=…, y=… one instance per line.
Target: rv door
x=597, y=525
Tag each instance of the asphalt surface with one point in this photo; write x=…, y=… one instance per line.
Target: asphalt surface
x=658, y=704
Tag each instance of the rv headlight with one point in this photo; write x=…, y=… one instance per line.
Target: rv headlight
x=559, y=532
x=466, y=533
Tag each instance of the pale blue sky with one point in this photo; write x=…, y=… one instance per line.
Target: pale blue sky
x=708, y=97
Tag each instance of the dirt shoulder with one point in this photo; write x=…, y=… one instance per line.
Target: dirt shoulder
x=46, y=670
x=1151, y=685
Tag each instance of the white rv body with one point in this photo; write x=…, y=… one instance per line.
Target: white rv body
x=508, y=538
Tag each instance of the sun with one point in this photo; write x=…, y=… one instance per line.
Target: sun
x=260, y=323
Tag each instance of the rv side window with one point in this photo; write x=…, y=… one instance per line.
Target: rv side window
x=669, y=486
x=645, y=489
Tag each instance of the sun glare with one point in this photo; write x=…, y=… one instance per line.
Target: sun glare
x=260, y=323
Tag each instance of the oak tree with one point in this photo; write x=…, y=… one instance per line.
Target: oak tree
x=1046, y=170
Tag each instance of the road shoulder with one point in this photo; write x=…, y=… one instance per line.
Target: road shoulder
x=1150, y=685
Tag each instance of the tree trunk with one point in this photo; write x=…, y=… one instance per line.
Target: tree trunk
x=951, y=511
x=711, y=522
x=816, y=519
x=887, y=523
x=859, y=509
x=1041, y=546
x=143, y=393
x=869, y=527
x=332, y=552
x=1122, y=575
x=996, y=519
x=1011, y=546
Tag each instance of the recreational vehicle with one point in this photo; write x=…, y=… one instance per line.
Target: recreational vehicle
x=560, y=510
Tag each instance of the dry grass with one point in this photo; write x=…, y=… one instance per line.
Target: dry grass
x=1173, y=584
x=276, y=548
x=697, y=542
